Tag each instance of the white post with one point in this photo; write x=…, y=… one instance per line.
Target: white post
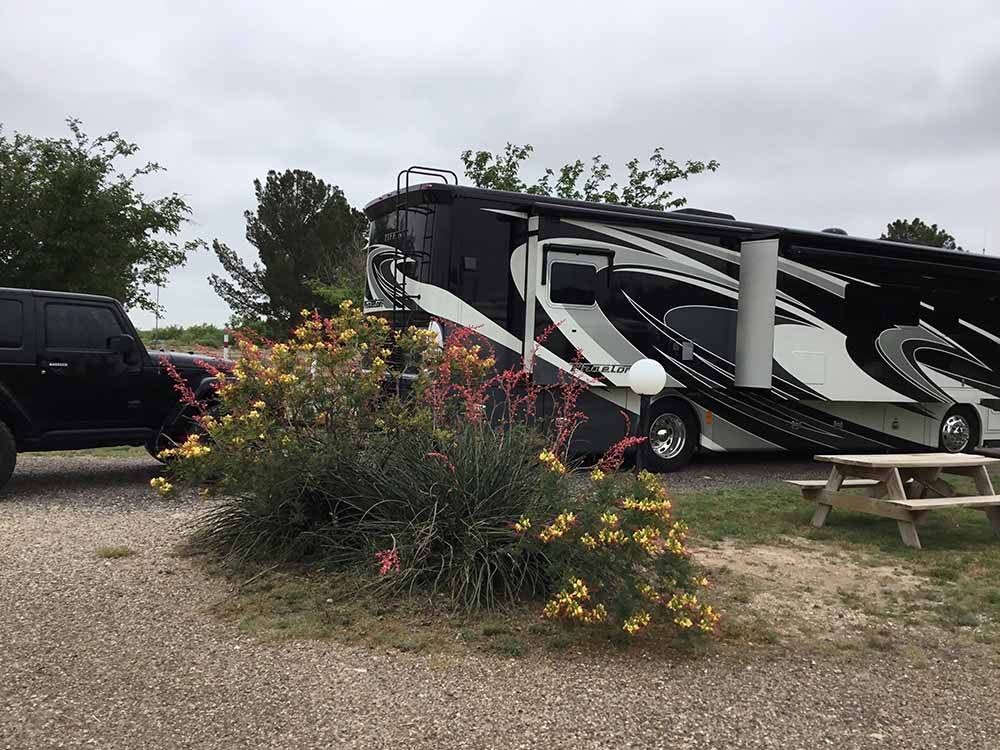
x=755, y=314
x=225, y=346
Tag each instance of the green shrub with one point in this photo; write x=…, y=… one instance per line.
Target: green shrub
x=622, y=558
x=200, y=334
x=318, y=454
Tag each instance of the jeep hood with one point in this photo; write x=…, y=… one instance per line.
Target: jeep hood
x=190, y=361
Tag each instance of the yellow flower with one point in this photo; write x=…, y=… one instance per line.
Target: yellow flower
x=557, y=528
x=161, y=485
x=551, y=460
x=654, y=507
x=569, y=604
x=636, y=622
x=522, y=525
x=597, y=475
x=258, y=405
x=346, y=304
x=649, y=538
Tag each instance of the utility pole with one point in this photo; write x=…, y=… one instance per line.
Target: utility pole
x=156, y=320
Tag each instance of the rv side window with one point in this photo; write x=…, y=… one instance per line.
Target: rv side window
x=573, y=283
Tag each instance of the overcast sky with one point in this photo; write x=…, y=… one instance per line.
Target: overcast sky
x=842, y=114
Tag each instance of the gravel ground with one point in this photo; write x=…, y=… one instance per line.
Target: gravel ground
x=122, y=654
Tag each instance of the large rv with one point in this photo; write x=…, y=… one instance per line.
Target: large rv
x=772, y=338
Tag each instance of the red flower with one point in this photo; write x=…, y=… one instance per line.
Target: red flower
x=442, y=457
x=388, y=560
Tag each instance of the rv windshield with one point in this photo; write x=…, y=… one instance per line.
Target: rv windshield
x=410, y=231
x=402, y=248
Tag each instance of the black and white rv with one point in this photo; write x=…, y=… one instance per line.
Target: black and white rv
x=772, y=338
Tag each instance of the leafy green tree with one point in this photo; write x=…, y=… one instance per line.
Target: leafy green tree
x=643, y=187
x=309, y=240
x=70, y=220
x=916, y=232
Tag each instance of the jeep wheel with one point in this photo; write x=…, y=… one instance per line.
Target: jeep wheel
x=8, y=455
x=153, y=448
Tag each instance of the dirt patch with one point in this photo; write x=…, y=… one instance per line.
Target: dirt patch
x=803, y=588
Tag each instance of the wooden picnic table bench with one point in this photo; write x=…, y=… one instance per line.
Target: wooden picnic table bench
x=901, y=486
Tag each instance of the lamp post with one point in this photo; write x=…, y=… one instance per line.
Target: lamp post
x=646, y=377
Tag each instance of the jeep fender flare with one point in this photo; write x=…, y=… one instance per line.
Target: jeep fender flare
x=204, y=391
x=14, y=415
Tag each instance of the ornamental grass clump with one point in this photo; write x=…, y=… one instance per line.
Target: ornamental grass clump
x=415, y=464
x=351, y=440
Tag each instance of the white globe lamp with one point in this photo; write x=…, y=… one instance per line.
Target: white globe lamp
x=647, y=378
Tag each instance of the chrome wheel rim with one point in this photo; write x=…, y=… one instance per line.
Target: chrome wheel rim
x=955, y=433
x=667, y=436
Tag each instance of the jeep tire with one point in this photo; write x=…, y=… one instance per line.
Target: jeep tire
x=8, y=455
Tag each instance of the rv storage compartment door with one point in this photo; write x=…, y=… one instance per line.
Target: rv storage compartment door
x=755, y=315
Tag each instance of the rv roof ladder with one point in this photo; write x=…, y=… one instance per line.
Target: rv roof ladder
x=402, y=249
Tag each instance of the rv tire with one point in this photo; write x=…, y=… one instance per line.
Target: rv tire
x=959, y=431
x=672, y=436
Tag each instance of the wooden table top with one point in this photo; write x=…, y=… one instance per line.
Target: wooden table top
x=910, y=460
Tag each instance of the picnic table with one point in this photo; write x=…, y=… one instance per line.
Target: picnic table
x=902, y=486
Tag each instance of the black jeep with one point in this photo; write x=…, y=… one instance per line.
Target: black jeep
x=74, y=374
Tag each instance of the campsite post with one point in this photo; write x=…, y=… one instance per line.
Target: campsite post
x=646, y=377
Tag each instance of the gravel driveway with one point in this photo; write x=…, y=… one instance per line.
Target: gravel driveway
x=122, y=654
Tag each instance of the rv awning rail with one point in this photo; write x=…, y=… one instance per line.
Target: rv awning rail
x=561, y=209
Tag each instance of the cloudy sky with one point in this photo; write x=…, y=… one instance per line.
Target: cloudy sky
x=842, y=114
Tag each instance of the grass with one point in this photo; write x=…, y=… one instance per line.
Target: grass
x=958, y=566
x=114, y=552
x=960, y=559
x=116, y=451
x=289, y=604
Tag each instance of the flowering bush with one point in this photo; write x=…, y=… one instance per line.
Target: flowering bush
x=622, y=558
x=353, y=444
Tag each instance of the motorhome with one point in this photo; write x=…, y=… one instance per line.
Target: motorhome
x=772, y=338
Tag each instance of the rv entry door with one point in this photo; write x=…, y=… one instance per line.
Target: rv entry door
x=574, y=280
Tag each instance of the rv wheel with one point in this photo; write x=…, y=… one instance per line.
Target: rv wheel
x=959, y=431
x=672, y=437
